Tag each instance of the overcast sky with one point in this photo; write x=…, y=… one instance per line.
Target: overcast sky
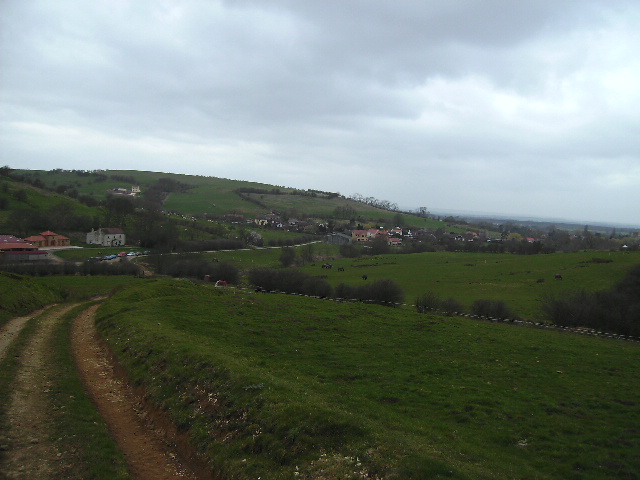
x=526, y=108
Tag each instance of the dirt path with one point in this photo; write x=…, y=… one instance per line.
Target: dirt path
x=148, y=456
x=10, y=331
x=29, y=451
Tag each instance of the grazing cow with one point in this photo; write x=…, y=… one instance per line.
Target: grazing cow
x=364, y=277
x=327, y=265
x=221, y=283
x=558, y=276
x=341, y=269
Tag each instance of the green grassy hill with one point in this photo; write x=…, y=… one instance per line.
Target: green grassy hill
x=277, y=387
x=28, y=210
x=218, y=196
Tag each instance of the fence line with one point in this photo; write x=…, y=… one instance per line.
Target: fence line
x=522, y=323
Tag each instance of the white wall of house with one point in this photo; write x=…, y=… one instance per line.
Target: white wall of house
x=100, y=237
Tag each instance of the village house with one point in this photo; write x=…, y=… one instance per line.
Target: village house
x=359, y=236
x=107, y=237
x=373, y=233
x=48, y=239
x=270, y=220
x=395, y=242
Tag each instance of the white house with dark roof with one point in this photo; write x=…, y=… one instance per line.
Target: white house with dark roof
x=107, y=237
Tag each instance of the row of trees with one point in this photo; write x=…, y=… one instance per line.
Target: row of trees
x=193, y=266
x=374, y=202
x=43, y=269
x=383, y=292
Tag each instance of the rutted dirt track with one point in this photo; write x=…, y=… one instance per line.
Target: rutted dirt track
x=28, y=450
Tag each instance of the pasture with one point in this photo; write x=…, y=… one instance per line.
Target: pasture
x=279, y=386
x=466, y=277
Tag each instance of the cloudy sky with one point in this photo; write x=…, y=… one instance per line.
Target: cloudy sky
x=526, y=108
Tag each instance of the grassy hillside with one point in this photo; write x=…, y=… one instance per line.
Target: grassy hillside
x=216, y=196
x=278, y=386
x=28, y=210
x=21, y=295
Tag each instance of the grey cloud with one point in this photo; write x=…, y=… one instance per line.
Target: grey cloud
x=402, y=97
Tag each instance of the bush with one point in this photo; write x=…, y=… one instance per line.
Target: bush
x=287, y=257
x=383, y=292
x=428, y=302
x=451, y=306
x=492, y=309
x=431, y=302
x=616, y=310
x=193, y=266
x=289, y=281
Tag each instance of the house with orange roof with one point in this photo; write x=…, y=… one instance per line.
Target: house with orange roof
x=359, y=236
x=49, y=239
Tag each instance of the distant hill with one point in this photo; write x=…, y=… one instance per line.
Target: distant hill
x=219, y=196
x=26, y=210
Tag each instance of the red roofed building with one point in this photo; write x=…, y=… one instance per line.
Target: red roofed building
x=49, y=239
x=16, y=249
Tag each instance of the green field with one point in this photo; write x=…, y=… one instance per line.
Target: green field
x=278, y=386
x=464, y=276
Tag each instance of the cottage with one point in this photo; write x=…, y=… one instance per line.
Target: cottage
x=107, y=237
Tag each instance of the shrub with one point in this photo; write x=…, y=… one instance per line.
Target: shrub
x=492, y=309
x=616, y=310
x=427, y=302
x=289, y=281
x=451, y=306
x=383, y=292
x=287, y=257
